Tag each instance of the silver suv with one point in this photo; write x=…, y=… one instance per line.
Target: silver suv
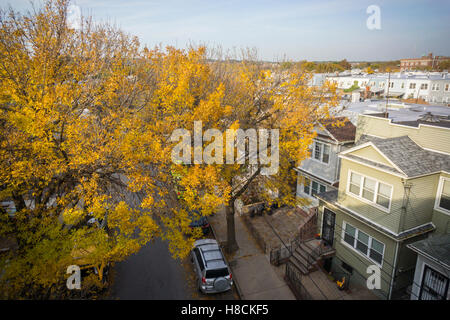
x=210, y=267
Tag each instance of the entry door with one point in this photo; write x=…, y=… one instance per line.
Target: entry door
x=434, y=285
x=329, y=218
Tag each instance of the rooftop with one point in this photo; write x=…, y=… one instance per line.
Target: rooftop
x=436, y=248
x=342, y=133
x=408, y=156
x=397, y=111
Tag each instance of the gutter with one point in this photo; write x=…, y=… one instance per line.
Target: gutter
x=426, y=255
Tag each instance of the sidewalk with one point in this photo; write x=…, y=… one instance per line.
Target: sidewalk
x=255, y=277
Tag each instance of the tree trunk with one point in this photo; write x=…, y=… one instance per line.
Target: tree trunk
x=231, y=245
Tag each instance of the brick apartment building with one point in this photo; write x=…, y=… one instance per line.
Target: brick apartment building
x=424, y=61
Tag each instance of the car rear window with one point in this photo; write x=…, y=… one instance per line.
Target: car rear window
x=216, y=273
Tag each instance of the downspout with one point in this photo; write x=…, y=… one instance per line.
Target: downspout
x=391, y=287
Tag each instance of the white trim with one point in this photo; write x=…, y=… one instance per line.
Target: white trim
x=329, y=133
x=313, y=153
x=403, y=125
x=371, y=144
x=439, y=194
x=315, y=176
x=361, y=198
x=379, y=169
x=369, y=245
x=310, y=187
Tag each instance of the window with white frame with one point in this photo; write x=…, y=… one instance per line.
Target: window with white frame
x=412, y=85
x=313, y=187
x=370, y=189
x=447, y=87
x=424, y=86
x=363, y=243
x=321, y=152
x=403, y=85
x=435, y=87
x=443, y=196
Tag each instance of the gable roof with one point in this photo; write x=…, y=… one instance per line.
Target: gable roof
x=407, y=156
x=343, y=133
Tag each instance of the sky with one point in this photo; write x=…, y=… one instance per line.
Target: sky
x=317, y=30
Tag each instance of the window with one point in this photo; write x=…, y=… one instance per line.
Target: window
x=321, y=152
x=313, y=187
x=349, y=234
x=403, y=85
x=424, y=86
x=447, y=87
x=435, y=87
x=370, y=189
x=199, y=259
x=384, y=195
x=355, y=183
x=217, y=273
x=391, y=84
x=306, y=186
x=376, y=251
x=443, y=198
x=412, y=85
x=363, y=243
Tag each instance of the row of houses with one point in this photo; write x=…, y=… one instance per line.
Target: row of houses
x=380, y=187
x=433, y=88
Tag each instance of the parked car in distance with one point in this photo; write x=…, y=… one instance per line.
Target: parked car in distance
x=212, y=271
x=199, y=221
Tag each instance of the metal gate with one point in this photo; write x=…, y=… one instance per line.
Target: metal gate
x=434, y=285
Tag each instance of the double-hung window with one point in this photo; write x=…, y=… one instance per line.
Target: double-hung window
x=424, y=86
x=321, y=152
x=363, y=243
x=370, y=189
x=412, y=85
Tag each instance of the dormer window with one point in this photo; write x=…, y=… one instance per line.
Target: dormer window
x=321, y=152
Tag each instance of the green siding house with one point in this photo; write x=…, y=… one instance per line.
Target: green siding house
x=394, y=190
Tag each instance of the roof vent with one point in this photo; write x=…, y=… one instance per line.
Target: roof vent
x=429, y=117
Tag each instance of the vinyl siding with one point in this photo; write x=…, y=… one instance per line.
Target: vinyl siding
x=371, y=154
x=389, y=220
x=429, y=137
x=442, y=222
x=421, y=201
x=356, y=260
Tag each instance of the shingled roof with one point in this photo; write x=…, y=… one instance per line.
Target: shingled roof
x=409, y=157
x=343, y=133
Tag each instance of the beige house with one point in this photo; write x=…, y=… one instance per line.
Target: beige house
x=393, y=191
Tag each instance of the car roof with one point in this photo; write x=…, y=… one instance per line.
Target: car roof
x=211, y=253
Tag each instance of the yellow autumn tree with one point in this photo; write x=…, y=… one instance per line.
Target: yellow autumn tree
x=87, y=119
x=67, y=100
x=223, y=94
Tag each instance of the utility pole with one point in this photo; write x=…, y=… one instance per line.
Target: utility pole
x=387, y=95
